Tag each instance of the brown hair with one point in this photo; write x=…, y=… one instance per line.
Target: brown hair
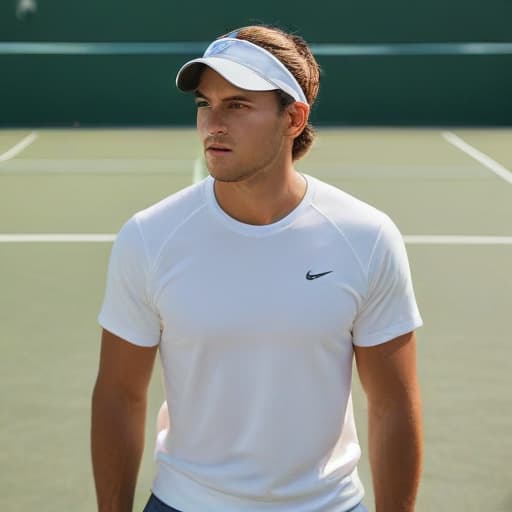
x=296, y=55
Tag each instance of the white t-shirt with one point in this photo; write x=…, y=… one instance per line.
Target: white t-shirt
x=256, y=326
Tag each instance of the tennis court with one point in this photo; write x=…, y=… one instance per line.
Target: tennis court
x=450, y=192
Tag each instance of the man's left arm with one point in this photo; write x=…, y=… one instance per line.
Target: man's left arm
x=389, y=378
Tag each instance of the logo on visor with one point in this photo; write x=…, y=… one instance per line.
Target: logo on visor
x=218, y=47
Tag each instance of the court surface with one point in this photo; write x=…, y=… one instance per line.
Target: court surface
x=450, y=194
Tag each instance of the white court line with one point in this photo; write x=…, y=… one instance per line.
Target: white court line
x=484, y=159
x=56, y=237
x=457, y=240
x=18, y=148
x=108, y=237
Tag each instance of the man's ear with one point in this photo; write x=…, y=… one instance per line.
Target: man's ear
x=298, y=114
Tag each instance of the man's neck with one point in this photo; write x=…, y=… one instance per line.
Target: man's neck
x=263, y=200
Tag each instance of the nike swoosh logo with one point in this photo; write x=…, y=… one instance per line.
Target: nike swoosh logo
x=310, y=276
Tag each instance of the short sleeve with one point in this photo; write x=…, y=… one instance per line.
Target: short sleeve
x=389, y=308
x=127, y=309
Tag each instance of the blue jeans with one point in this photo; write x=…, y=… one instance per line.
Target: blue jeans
x=155, y=505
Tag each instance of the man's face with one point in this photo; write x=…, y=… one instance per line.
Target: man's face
x=243, y=132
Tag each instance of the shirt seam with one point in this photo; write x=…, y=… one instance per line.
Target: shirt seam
x=148, y=272
x=372, y=255
x=342, y=234
x=162, y=246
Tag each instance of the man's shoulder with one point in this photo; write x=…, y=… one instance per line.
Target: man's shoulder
x=158, y=222
x=360, y=224
x=345, y=210
x=173, y=207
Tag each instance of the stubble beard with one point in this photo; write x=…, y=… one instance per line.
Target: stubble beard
x=237, y=178
x=239, y=175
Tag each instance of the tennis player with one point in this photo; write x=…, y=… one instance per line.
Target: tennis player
x=258, y=286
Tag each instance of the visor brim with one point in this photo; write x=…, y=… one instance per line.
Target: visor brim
x=237, y=74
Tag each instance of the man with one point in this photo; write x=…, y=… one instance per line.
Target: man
x=257, y=286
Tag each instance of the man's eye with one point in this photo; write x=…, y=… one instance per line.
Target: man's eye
x=237, y=106
x=201, y=103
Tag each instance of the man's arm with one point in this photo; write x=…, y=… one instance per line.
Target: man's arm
x=389, y=378
x=118, y=420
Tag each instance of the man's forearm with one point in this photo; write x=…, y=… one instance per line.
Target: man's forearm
x=396, y=449
x=117, y=443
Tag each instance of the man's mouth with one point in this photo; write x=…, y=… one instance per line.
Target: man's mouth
x=218, y=148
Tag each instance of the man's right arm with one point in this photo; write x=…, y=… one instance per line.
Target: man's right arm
x=118, y=420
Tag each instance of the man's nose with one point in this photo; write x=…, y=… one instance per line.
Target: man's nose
x=216, y=122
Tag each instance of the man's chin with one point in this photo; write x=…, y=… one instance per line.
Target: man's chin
x=223, y=179
x=226, y=177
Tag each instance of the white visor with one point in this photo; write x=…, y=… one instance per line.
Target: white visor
x=243, y=64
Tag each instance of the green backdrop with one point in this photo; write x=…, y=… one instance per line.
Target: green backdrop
x=396, y=89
